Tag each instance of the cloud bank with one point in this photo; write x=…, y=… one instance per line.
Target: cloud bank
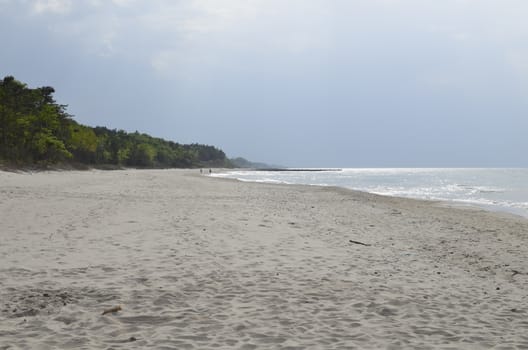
x=348, y=73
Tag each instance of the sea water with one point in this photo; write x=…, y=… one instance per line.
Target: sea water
x=495, y=189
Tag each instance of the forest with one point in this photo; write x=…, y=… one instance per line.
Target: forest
x=37, y=131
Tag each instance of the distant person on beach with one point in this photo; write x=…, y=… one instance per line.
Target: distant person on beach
x=210, y=171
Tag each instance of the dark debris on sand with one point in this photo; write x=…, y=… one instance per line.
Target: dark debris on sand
x=31, y=302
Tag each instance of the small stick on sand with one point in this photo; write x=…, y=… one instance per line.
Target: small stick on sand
x=112, y=310
x=357, y=242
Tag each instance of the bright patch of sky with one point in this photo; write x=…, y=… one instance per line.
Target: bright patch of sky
x=294, y=82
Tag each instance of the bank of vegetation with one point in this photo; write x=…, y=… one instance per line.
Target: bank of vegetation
x=37, y=131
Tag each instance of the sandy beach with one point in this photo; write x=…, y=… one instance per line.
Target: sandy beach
x=204, y=263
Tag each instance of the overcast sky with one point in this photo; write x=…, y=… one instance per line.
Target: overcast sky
x=341, y=83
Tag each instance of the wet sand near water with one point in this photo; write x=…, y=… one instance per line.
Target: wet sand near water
x=201, y=263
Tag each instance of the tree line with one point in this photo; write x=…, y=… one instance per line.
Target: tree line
x=36, y=130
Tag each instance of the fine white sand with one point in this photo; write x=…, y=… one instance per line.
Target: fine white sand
x=202, y=263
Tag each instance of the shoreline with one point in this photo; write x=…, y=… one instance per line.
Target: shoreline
x=455, y=203
x=197, y=262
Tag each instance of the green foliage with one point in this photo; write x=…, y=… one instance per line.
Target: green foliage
x=32, y=126
x=46, y=148
x=34, y=129
x=83, y=143
x=142, y=155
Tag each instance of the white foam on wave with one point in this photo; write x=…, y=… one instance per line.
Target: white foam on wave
x=273, y=181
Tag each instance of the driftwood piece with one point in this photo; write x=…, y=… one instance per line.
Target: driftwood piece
x=360, y=243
